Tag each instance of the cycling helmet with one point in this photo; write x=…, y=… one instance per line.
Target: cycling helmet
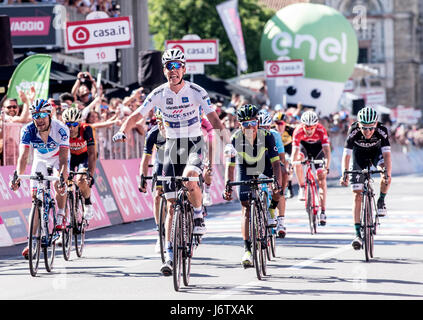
x=72, y=115
x=264, y=118
x=309, y=118
x=279, y=116
x=367, y=115
x=247, y=112
x=173, y=55
x=40, y=105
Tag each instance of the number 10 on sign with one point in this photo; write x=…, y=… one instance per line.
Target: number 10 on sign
x=99, y=55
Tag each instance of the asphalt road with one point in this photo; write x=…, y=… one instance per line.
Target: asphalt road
x=119, y=262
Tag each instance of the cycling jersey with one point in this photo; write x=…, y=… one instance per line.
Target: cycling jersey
x=287, y=135
x=255, y=159
x=319, y=135
x=278, y=140
x=155, y=138
x=180, y=111
x=357, y=142
x=58, y=138
x=79, y=147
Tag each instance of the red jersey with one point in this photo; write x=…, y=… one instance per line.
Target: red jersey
x=320, y=134
x=79, y=145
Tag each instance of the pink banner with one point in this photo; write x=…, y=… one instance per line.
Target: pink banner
x=123, y=178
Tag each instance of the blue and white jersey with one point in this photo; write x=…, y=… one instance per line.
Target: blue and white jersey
x=278, y=140
x=58, y=138
x=180, y=111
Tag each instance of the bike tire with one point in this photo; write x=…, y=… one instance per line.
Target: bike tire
x=68, y=231
x=255, y=244
x=188, y=245
x=80, y=225
x=273, y=243
x=368, y=234
x=50, y=250
x=309, y=208
x=34, y=240
x=177, y=247
x=264, y=248
x=162, y=234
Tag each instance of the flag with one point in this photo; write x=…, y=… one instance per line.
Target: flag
x=228, y=12
x=33, y=71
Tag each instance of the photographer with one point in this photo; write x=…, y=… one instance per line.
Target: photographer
x=85, y=88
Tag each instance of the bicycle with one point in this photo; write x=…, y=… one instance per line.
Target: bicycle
x=42, y=227
x=257, y=222
x=76, y=228
x=369, y=222
x=183, y=239
x=312, y=200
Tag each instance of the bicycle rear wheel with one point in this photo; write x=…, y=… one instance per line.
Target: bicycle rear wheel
x=177, y=247
x=49, y=249
x=255, y=243
x=67, y=233
x=34, y=240
x=80, y=225
x=264, y=247
x=162, y=218
x=188, y=244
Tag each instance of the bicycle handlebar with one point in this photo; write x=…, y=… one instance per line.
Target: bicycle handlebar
x=39, y=177
x=173, y=179
x=308, y=161
x=250, y=182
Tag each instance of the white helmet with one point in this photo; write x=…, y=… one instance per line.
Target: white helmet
x=264, y=118
x=173, y=55
x=309, y=118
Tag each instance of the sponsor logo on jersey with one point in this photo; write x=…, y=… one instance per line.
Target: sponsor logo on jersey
x=185, y=100
x=169, y=100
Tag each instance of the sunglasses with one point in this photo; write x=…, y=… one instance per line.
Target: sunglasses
x=367, y=128
x=251, y=123
x=41, y=115
x=310, y=127
x=12, y=107
x=174, y=65
x=72, y=124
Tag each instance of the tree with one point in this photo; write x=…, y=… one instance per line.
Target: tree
x=171, y=20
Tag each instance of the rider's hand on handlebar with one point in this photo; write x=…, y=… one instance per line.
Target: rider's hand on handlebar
x=227, y=194
x=143, y=185
x=15, y=183
x=344, y=180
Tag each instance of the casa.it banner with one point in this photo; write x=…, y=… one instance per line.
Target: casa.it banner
x=228, y=12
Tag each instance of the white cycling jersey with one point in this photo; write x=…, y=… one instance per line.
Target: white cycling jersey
x=181, y=111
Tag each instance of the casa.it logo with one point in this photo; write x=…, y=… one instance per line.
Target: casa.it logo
x=81, y=35
x=274, y=68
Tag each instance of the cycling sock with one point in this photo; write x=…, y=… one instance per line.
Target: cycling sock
x=247, y=245
x=357, y=228
x=88, y=201
x=61, y=212
x=273, y=204
x=207, y=189
x=198, y=213
x=382, y=196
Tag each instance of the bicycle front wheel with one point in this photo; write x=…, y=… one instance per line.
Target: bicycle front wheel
x=255, y=243
x=34, y=240
x=67, y=232
x=177, y=247
x=79, y=226
x=188, y=245
x=162, y=218
x=309, y=209
x=49, y=248
x=368, y=229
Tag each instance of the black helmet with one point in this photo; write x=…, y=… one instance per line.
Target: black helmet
x=247, y=112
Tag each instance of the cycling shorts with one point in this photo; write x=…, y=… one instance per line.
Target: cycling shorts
x=360, y=163
x=181, y=156
x=313, y=151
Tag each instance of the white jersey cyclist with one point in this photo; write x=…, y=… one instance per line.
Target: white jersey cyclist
x=180, y=111
x=47, y=153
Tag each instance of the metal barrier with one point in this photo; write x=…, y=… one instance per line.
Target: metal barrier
x=106, y=149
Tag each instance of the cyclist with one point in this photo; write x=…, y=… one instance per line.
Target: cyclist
x=156, y=137
x=286, y=130
x=310, y=139
x=367, y=143
x=256, y=154
x=180, y=102
x=49, y=138
x=265, y=122
x=83, y=154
